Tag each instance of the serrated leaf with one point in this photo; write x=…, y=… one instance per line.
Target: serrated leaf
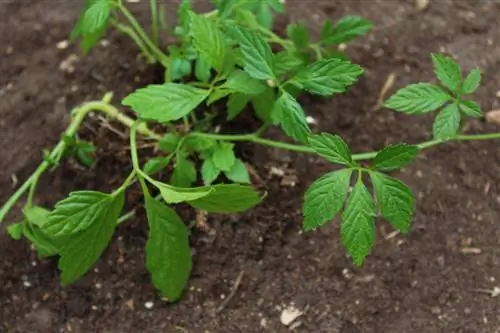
x=470, y=108
x=169, y=142
x=223, y=156
x=218, y=94
x=198, y=143
x=156, y=164
x=263, y=104
x=179, y=68
x=231, y=198
x=209, y=172
x=289, y=114
x=299, y=34
x=37, y=215
x=235, y=104
x=15, y=230
x=240, y=81
x=358, y=223
x=471, y=82
x=165, y=103
x=331, y=147
x=78, y=212
x=202, y=70
x=208, y=40
x=395, y=157
x=174, y=195
x=328, y=76
x=325, y=198
x=418, y=98
x=82, y=249
x=257, y=54
x=184, y=174
x=168, y=255
x=287, y=62
x=44, y=245
x=447, y=123
x=238, y=173
x=96, y=17
x=346, y=29
x=396, y=202
x=447, y=71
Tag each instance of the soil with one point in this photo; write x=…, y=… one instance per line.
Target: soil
x=432, y=281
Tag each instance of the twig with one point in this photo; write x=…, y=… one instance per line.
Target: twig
x=237, y=283
x=389, y=82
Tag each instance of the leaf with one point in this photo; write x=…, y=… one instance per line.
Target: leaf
x=287, y=62
x=45, y=246
x=328, y=76
x=235, y=104
x=169, y=142
x=209, y=172
x=202, y=70
x=167, y=102
x=358, y=223
x=15, y=230
x=198, y=143
x=78, y=212
x=447, y=123
x=263, y=104
x=418, y=98
x=96, y=17
x=37, y=215
x=332, y=148
x=299, y=34
x=240, y=81
x=238, y=173
x=257, y=54
x=184, y=174
x=231, y=198
x=218, y=94
x=168, y=255
x=289, y=114
x=347, y=28
x=208, y=40
x=396, y=202
x=174, y=195
x=156, y=164
x=471, y=82
x=325, y=198
x=223, y=156
x=179, y=68
x=447, y=71
x=470, y=108
x=83, y=249
x=395, y=157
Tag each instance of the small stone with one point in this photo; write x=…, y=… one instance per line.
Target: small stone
x=289, y=314
x=149, y=305
x=27, y=284
x=62, y=44
x=498, y=94
x=104, y=42
x=440, y=261
x=422, y=4
x=263, y=322
x=98, y=286
x=311, y=121
x=130, y=304
x=493, y=117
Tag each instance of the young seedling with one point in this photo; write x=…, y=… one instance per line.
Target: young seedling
x=238, y=60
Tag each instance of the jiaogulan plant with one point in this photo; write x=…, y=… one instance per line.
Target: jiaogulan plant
x=230, y=56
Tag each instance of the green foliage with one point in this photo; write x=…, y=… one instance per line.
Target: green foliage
x=345, y=30
x=332, y=148
x=288, y=113
x=395, y=157
x=418, y=98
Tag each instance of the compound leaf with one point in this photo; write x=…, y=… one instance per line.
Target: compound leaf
x=289, y=114
x=471, y=82
x=168, y=255
x=166, y=102
x=238, y=173
x=418, y=98
x=447, y=71
x=331, y=147
x=325, y=198
x=396, y=202
x=223, y=156
x=447, y=122
x=208, y=40
x=228, y=198
x=470, y=108
x=395, y=157
x=358, y=223
x=347, y=28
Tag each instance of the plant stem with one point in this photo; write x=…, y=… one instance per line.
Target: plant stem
x=135, y=157
x=132, y=34
x=154, y=21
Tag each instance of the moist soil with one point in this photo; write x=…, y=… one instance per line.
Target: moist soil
x=249, y=268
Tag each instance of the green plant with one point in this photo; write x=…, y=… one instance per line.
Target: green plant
x=229, y=53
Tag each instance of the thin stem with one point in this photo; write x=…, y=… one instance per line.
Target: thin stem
x=132, y=34
x=154, y=21
x=135, y=157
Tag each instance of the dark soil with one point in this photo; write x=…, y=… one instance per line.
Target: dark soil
x=423, y=283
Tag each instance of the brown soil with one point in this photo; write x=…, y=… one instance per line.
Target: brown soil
x=422, y=283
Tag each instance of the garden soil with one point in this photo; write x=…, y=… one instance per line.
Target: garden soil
x=252, y=269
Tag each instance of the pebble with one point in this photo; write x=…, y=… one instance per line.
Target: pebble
x=62, y=44
x=493, y=117
x=289, y=314
x=149, y=305
x=27, y=284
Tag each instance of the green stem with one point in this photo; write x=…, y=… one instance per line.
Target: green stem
x=135, y=157
x=132, y=34
x=154, y=21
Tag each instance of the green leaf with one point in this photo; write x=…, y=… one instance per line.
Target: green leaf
x=179, y=68
x=84, y=153
x=332, y=148
x=447, y=71
x=37, y=215
x=238, y=173
x=235, y=104
x=287, y=62
x=89, y=40
x=418, y=98
x=231, y=198
x=156, y=164
x=15, y=230
x=240, y=81
x=263, y=104
x=168, y=256
x=223, y=156
x=174, y=195
x=83, y=249
x=257, y=54
x=299, y=34
x=470, y=108
x=471, y=82
x=169, y=142
x=395, y=157
x=202, y=70
x=198, y=143
x=208, y=40
x=325, y=198
x=396, y=202
x=447, y=123
x=78, y=212
x=44, y=245
x=167, y=102
x=218, y=94
x=328, y=76
x=358, y=223
x=346, y=29
x=209, y=172
x=290, y=115
x=184, y=174
x=96, y=17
